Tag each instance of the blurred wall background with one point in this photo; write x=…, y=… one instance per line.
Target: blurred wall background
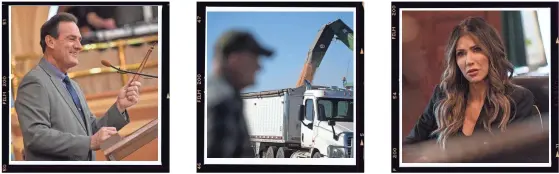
x=127, y=34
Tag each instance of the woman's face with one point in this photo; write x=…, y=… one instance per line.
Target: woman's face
x=473, y=64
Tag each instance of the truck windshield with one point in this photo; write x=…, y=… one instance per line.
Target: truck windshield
x=335, y=109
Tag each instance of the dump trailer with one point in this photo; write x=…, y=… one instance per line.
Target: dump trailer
x=304, y=122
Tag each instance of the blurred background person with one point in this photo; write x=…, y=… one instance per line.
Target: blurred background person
x=236, y=62
x=91, y=18
x=103, y=23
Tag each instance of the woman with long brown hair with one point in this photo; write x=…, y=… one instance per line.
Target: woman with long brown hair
x=475, y=92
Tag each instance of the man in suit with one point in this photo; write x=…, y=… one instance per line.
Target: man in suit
x=54, y=117
x=236, y=62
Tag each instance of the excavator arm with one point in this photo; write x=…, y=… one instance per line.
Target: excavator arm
x=320, y=45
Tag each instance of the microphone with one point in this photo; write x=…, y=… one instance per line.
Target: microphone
x=107, y=64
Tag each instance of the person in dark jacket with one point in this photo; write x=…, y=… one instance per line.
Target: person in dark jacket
x=475, y=92
x=93, y=18
x=236, y=62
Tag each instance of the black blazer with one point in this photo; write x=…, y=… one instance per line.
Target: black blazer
x=426, y=124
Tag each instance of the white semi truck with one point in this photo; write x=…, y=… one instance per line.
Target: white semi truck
x=303, y=122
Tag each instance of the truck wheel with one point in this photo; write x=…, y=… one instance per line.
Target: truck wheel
x=284, y=152
x=316, y=155
x=271, y=153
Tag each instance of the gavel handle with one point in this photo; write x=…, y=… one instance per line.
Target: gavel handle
x=142, y=65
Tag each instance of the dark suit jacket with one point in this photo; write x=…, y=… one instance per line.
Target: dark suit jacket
x=53, y=129
x=521, y=109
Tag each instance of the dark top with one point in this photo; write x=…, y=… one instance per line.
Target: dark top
x=522, y=107
x=228, y=135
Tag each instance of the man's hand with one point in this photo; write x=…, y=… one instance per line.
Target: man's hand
x=100, y=136
x=128, y=96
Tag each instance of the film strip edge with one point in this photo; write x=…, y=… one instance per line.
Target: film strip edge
x=360, y=22
x=554, y=81
x=166, y=141
x=164, y=167
x=395, y=152
x=200, y=82
x=201, y=15
x=553, y=74
x=5, y=88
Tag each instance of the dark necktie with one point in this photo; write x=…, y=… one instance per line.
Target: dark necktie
x=74, y=97
x=76, y=100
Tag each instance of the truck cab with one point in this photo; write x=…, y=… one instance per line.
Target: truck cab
x=327, y=126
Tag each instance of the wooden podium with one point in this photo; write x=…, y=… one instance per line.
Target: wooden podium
x=117, y=148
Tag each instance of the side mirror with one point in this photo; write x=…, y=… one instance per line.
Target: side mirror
x=331, y=123
x=301, y=112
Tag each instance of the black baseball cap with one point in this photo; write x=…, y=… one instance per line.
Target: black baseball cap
x=236, y=40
